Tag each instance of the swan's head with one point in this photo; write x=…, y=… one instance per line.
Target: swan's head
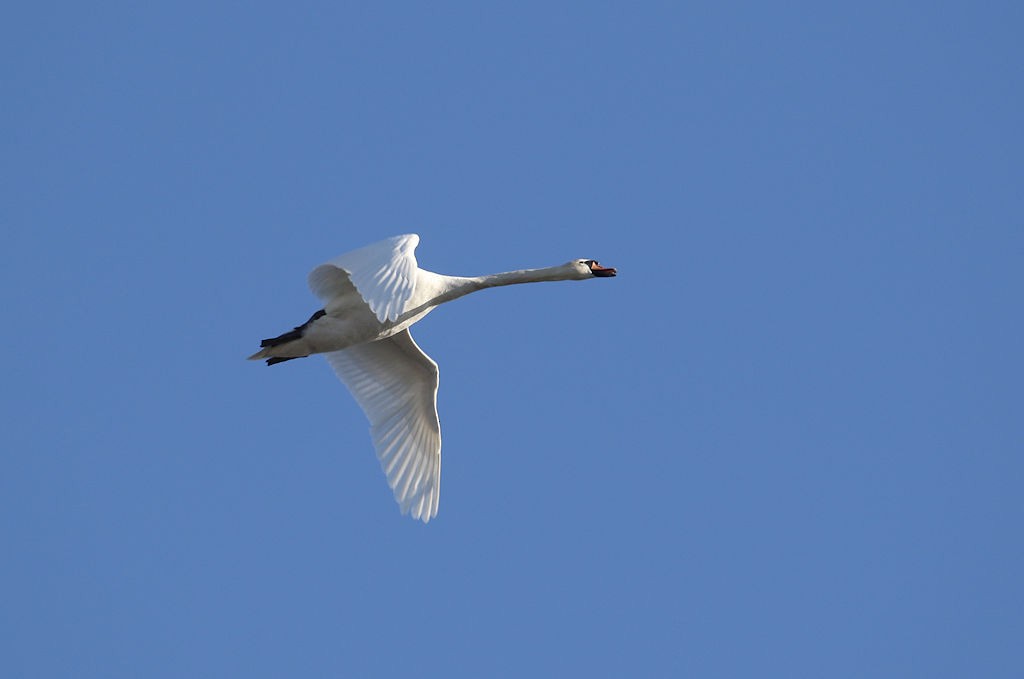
x=588, y=268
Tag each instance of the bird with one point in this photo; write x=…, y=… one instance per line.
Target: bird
x=371, y=296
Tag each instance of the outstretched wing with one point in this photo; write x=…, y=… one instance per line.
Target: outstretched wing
x=383, y=273
x=395, y=384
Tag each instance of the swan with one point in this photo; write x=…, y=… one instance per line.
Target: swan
x=371, y=296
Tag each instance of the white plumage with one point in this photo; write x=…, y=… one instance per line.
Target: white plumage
x=371, y=296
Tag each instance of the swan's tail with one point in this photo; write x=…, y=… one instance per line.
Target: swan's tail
x=286, y=346
x=272, y=360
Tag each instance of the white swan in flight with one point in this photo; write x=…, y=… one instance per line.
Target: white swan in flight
x=371, y=296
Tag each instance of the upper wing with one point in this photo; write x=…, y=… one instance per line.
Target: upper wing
x=384, y=273
x=395, y=384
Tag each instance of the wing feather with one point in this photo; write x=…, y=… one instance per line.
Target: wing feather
x=384, y=274
x=395, y=384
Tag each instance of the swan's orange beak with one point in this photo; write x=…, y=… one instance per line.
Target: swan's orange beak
x=602, y=271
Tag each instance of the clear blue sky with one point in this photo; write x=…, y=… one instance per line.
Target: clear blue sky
x=785, y=442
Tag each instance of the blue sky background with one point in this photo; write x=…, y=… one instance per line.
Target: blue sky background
x=786, y=441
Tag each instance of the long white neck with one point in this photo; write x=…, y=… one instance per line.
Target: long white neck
x=457, y=286
x=551, y=273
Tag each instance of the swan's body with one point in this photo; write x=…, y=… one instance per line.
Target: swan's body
x=371, y=296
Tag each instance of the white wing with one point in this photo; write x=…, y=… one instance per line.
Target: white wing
x=384, y=273
x=395, y=384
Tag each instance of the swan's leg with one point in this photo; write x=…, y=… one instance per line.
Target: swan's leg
x=279, y=359
x=299, y=350
x=293, y=334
